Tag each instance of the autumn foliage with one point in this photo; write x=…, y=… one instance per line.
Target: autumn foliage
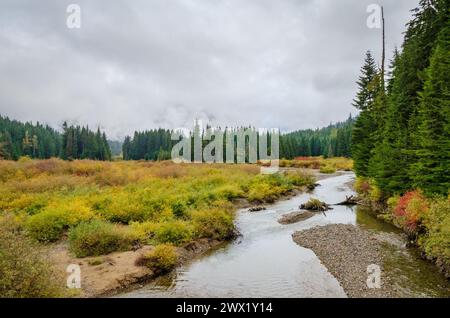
x=410, y=211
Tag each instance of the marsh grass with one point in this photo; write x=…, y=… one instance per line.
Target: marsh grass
x=324, y=164
x=106, y=206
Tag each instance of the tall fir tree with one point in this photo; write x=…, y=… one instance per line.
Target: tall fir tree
x=362, y=136
x=432, y=170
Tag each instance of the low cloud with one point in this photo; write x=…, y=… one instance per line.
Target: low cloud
x=148, y=64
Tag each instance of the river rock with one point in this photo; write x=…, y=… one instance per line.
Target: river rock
x=295, y=217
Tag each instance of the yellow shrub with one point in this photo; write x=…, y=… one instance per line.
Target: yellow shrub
x=229, y=192
x=264, y=192
x=436, y=240
x=144, y=231
x=50, y=224
x=24, y=273
x=97, y=237
x=362, y=186
x=175, y=232
x=162, y=259
x=124, y=208
x=214, y=223
x=375, y=193
x=327, y=169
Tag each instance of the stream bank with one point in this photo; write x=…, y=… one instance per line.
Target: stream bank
x=266, y=262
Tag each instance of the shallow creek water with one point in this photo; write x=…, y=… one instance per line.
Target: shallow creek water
x=265, y=261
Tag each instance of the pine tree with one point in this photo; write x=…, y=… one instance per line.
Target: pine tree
x=396, y=150
x=365, y=96
x=364, y=128
x=432, y=171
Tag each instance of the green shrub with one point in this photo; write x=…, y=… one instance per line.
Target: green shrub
x=162, y=259
x=175, y=232
x=97, y=237
x=24, y=273
x=178, y=209
x=213, y=223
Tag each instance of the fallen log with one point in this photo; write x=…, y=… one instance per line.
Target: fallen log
x=311, y=187
x=351, y=200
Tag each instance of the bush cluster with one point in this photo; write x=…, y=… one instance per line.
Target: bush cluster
x=24, y=272
x=162, y=259
x=97, y=237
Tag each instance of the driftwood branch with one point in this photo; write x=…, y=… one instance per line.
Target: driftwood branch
x=351, y=200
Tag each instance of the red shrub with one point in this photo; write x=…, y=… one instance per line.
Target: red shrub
x=410, y=210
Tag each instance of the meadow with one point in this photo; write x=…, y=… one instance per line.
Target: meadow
x=101, y=207
x=324, y=165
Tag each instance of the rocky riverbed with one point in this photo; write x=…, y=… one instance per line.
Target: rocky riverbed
x=347, y=251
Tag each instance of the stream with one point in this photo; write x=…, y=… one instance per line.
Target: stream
x=265, y=261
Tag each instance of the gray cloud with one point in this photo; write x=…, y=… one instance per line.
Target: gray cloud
x=144, y=64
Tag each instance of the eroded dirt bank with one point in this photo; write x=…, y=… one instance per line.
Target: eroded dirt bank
x=113, y=273
x=347, y=251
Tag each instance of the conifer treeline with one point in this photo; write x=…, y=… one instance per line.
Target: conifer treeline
x=331, y=141
x=38, y=141
x=401, y=138
x=76, y=142
x=149, y=145
x=82, y=143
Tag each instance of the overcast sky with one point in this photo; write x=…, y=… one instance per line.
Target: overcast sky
x=289, y=64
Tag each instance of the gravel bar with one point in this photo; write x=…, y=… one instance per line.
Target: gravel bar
x=347, y=251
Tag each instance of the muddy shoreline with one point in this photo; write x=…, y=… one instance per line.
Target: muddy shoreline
x=111, y=274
